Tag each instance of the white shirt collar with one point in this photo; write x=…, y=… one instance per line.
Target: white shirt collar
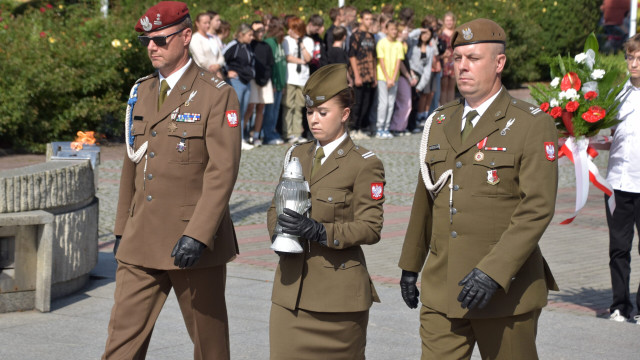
x=480, y=109
x=330, y=147
x=173, y=79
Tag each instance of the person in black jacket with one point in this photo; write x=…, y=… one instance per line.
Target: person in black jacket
x=240, y=68
x=261, y=87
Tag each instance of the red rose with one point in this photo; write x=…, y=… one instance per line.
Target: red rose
x=590, y=95
x=49, y=6
x=544, y=106
x=556, y=112
x=570, y=81
x=42, y=9
x=43, y=34
x=595, y=113
x=572, y=106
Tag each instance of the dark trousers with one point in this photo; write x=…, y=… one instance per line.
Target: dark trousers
x=620, y=224
x=360, y=111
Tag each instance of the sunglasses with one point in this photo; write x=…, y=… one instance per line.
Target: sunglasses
x=158, y=40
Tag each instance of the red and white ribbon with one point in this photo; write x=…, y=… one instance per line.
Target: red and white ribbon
x=581, y=155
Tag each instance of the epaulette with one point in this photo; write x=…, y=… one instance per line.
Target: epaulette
x=449, y=104
x=212, y=80
x=147, y=77
x=527, y=107
x=364, y=152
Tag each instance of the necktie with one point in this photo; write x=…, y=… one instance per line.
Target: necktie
x=468, y=125
x=164, y=88
x=317, y=161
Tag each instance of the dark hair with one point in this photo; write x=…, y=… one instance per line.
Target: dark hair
x=428, y=20
x=224, y=26
x=420, y=43
x=406, y=16
x=333, y=14
x=316, y=20
x=390, y=22
x=201, y=15
x=276, y=30
x=365, y=12
x=339, y=33
x=346, y=99
x=212, y=13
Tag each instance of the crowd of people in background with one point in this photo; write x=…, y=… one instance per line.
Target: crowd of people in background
x=400, y=73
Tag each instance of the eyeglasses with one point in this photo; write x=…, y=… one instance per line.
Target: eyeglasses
x=158, y=40
x=631, y=59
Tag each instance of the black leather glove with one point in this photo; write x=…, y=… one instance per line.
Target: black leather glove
x=409, y=289
x=187, y=252
x=116, y=244
x=478, y=289
x=295, y=224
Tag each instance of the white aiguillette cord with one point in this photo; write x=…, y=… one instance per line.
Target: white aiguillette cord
x=434, y=188
x=134, y=155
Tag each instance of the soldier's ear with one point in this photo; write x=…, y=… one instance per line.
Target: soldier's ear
x=501, y=61
x=345, y=115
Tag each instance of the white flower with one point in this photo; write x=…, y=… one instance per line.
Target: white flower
x=597, y=74
x=555, y=82
x=591, y=58
x=553, y=103
x=580, y=58
x=570, y=94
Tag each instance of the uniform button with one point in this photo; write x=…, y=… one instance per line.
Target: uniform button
x=454, y=234
x=330, y=199
x=150, y=176
x=458, y=164
x=343, y=266
x=154, y=133
x=152, y=154
x=456, y=187
x=336, y=242
x=454, y=211
x=492, y=163
x=149, y=197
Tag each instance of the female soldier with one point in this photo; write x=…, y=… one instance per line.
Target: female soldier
x=321, y=297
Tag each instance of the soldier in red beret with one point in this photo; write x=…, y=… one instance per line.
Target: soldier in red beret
x=173, y=226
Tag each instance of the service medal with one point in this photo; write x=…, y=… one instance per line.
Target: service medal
x=479, y=156
x=172, y=127
x=181, y=146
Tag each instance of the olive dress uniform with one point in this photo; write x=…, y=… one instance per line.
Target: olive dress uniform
x=321, y=297
x=503, y=198
x=181, y=187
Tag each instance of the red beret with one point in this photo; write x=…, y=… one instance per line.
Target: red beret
x=162, y=15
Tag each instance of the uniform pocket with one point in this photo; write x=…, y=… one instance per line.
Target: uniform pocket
x=138, y=128
x=192, y=136
x=436, y=161
x=326, y=204
x=495, y=175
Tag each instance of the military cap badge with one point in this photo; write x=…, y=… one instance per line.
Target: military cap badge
x=308, y=101
x=146, y=24
x=467, y=34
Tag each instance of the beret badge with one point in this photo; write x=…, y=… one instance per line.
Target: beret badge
x=467, y=34
x=146, y=24
x=308, y=101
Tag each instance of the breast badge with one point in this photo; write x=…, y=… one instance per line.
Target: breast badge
x=507, y=127
x=377, y=190
x=492, y=177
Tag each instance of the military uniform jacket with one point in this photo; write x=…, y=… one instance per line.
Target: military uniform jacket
x=502, y=204
x=334, y=278
x=171, y=193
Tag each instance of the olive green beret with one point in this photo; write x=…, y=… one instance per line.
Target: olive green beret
x=324, y=84
x=478, y=31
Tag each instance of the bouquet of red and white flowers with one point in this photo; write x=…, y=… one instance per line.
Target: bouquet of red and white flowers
x=583, y=99
x=582, y=96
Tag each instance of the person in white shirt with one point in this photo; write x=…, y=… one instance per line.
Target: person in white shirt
x=298, y=49
x=203, y=49
x=623, y=174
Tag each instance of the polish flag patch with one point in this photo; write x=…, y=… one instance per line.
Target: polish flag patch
x=377, y=190
x=550, y=150
x=232, y=118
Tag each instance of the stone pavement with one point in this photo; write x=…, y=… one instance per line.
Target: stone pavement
x=570, y=326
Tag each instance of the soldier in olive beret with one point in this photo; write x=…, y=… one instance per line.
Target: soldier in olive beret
x=486, y=193
x=321, y=297
x=173, y=226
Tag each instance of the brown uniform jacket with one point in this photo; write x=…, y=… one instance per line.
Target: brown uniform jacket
x=496, y=227
x=180, y=193
x=334, y=278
